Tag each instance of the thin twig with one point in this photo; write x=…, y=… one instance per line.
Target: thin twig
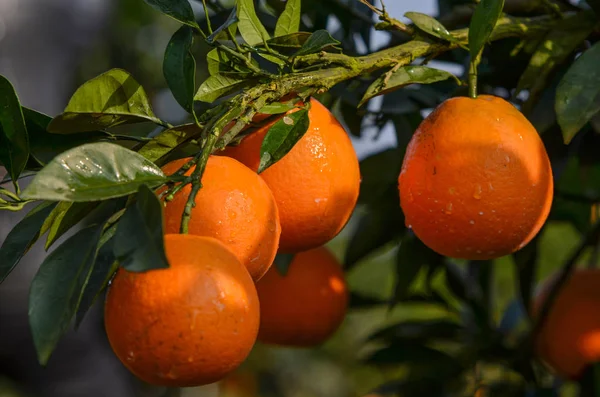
x=207, y=17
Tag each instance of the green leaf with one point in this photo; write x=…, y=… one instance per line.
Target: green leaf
x=578, y=93
x=21, y=237
x=410, y=354
x=91, y=172
x=179, y=67
x=403, y=76
x=218, y=85
x=526, y=265
x=251, y=29
x=44, y=146
x=282, y=262
x=412, y=256
x=379, y=172
x=318, y=41
x=111, y=99
x=230, y=24
x=168, y=140
x=63, y=217
x=14, y=143
x=276, y=108
x=482, y=24
x=289, y=20
x=56, y=289
x=431, y=25
x=289, y=43
x=180, y=10
x=219, y=61
x=282, y=137
x=551, y=53
x=139, y=244
x=104, y=267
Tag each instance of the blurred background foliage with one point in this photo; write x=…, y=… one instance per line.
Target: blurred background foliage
x=412, y=311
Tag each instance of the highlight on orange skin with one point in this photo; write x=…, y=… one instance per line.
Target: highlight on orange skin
x=188, y=325
x=307, y=305
x=476, y=181
x=569, y=340
x=236, y=206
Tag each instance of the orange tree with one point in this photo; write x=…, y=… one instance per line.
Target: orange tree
x=541, y=55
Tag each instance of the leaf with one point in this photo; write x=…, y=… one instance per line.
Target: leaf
x=139, y=244
x=412, y=256
x=359, y=301
x=526, y=267
x=218, y=85
x=251, y=29
x=14, y=143
x=57, y=286
x=551, y=53
x=168, y=140
x=289, y=20
x=219, y=33
x=111, y=99
x=431, y=25
x=482, y=24
x=276, y=108
x=179, y=67
x=95, y=171
x=180, y=10
x=63, y=217
x=578, y=93
x=318, y=41
x=44, y=146
x=289, y=43
x=21, y=237
x=403, y=76
x=282, y=262
x=104, y=267
x=282, y=137
x=378, y=172
x=410, y=354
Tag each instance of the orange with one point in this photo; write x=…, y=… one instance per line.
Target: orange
x=307, y=305
x=315, y=184
x=188, y=325
x=235, y=206
x=476, y=181
x=569, y=339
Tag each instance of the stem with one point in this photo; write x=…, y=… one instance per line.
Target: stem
x=210, y=31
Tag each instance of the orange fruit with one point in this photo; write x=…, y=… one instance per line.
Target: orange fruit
x=235, y=206
x=307, y=305
x=188, y=325
x=315, y=184
x=476, y=181
x=569, y=339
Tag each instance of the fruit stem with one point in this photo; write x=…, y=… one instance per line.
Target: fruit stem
x=473, y=75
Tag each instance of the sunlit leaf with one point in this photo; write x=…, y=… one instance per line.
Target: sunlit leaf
x=139, y=244
x=430, y=25
x=276, y=108
x=111, y=99
x=21, y=237
x=282, y=137
x=482, y=24
x=14, y=143
x=251, y=29
x=168, y=140
x=403, y=76
x=95, y=171
x=578, y=93
x=179, y=67
x=289, y=20
x=56, y=289
x=218, y=85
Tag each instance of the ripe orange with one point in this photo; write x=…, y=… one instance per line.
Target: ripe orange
x=188, y=325
x=307, y=305
x=315, y=185
x=476, y=181
x=569, y=339
x=235, y=206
